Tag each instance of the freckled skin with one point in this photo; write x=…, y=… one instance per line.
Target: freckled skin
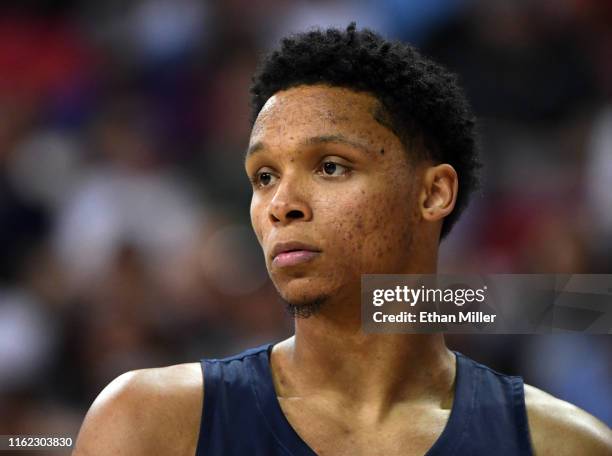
x=363, y=222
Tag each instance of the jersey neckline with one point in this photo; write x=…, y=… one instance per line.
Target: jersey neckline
x=448, y=441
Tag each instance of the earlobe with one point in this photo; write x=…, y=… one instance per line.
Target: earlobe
x=439, y=192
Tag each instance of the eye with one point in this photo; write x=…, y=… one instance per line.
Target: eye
x=262, y=179
x=330, y=168
x=265, y=179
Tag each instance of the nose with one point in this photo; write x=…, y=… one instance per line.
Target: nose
x=289, y=204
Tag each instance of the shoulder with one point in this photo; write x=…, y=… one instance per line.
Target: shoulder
x=148, y=411
x=560, y=428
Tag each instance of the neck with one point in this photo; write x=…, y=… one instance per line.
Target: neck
x=330, y=354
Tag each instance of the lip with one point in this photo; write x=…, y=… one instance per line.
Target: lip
x=292, y=253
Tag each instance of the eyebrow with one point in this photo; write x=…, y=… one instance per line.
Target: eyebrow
x=313, y=141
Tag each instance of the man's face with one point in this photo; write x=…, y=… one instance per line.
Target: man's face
x=334, y=194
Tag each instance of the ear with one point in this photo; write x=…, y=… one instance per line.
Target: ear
x=438, y=192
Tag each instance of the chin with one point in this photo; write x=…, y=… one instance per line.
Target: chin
x=303, y=304
x=303, y=289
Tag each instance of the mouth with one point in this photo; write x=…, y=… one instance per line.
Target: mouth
x=293, y=253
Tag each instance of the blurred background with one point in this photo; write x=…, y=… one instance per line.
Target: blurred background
x=125, y=240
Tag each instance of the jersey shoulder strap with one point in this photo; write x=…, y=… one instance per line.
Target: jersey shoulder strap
x=489, y=414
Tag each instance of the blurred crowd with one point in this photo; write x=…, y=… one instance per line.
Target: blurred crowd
x=125, y=240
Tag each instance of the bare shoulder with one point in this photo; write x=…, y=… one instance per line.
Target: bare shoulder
x=148, y=411
x=560, y=428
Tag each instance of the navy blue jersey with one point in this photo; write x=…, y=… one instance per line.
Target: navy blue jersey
x=242, y=415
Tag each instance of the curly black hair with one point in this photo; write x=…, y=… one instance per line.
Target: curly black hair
x=420, y=100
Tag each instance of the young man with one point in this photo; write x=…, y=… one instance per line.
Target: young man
x=361, y=157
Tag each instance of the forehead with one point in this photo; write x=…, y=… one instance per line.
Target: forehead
x=308, y=111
